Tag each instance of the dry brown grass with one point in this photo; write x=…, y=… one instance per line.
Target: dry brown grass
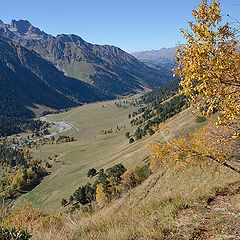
x=150, y=211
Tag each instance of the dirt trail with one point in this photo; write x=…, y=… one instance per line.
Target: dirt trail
x=218, y=219
x=222, y=217
x=64, y=119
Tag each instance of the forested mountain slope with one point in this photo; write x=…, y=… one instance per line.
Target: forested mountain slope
x=27, y=79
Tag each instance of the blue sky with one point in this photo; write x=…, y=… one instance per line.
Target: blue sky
x=132, y=25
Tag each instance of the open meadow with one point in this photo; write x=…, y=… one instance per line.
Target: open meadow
x=92, y=149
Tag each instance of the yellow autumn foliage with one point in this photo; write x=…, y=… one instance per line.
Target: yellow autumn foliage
x=32, y=219
x=17, y=180
x=101, y=196
x=209, y=144
x=209, y=64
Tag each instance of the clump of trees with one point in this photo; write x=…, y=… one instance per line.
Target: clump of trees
x=20, y=172
x=13, y=125
x=127, y=135
x=124, y=104
x=113, y=130
x=161, y=94
x=65, y=139
x=155, y=113
x=109, y=184
x=131, y=140
x=92, y=172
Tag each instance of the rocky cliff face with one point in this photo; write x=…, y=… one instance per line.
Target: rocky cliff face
x=106, y=67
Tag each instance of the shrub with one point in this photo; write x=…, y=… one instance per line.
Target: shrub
x=200, y=119
x=91, y=172
x=14, y=234
x=131, y=140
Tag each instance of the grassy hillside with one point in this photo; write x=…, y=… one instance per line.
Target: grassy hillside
x=189, y=187
x=190, y=203
x=94, y=150
x=170, y=205
x=193, y=204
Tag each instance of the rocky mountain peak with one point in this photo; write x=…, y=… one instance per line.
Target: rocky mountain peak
x=24, y=27
x=66, y=38
x=21, y=26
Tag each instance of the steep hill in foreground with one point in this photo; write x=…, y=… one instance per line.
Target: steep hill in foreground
x=192, y=203
x=106, y=67
x=27, y=80
x=188, y=202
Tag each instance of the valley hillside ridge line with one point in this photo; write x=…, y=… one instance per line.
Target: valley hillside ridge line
x=106, y=67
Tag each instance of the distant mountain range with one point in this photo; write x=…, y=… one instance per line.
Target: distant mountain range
x=162, y=58
x=108, y=68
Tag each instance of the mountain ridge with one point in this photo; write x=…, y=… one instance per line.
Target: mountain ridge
x=27, y=80
x=104, y=66
x=164, y=57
